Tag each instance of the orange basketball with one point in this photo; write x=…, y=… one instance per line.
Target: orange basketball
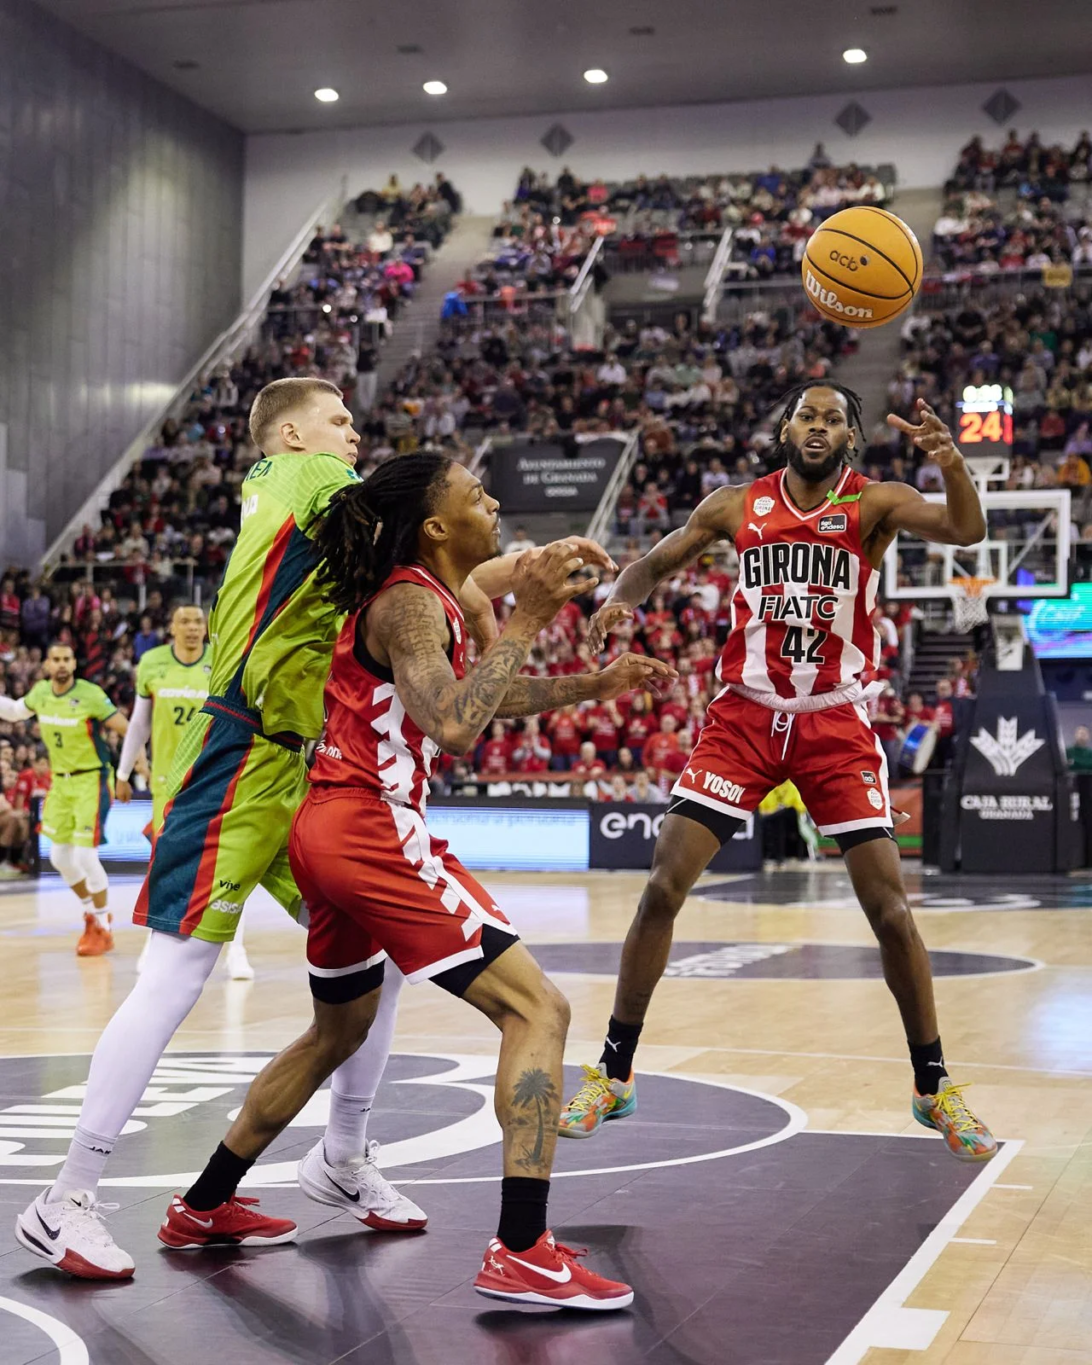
x=862, y=267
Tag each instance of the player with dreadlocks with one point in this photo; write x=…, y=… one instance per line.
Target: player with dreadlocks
x=795, y=672
x=397, y=550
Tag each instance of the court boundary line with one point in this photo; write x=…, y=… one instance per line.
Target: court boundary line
x=889, y=1315
x=69, y=1345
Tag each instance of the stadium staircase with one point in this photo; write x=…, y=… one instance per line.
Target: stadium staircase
x=417, y=327
x=932, y=653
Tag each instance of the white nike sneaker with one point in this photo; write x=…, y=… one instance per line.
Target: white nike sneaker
x=71, y=1235
x=361, y=1190
x=237, y=964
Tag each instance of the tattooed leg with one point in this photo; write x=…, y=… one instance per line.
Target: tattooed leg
x=533, y=1017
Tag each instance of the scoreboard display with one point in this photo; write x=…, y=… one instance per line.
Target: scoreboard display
x=985, y=419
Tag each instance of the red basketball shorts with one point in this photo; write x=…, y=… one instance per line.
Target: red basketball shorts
x=835, y=761
x=376, y=884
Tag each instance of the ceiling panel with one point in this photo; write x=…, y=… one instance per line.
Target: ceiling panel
x=258, y=62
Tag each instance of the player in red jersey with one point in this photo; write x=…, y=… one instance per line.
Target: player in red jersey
x=398, y=548
x=795, y=675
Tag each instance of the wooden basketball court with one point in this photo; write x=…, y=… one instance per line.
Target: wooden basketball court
x=771, y=1201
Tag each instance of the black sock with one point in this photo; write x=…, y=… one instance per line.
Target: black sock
x=618, y=1050
x=927, y=1059
x=523, y=1211
x=218, y=1181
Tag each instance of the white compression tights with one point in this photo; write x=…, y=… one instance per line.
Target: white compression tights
x=136, y=1037
x=79, y=865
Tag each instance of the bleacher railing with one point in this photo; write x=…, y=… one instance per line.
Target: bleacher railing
x=601, y=523
x=714, y=281
x=231, y=341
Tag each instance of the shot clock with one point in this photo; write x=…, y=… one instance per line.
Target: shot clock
x=985, y=419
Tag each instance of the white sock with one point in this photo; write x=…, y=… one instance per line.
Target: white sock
x=354, y=1083
x=82, y=1169
x=103, y=917
x=129, y=1050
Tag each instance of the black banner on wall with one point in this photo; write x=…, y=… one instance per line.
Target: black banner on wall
x=543, y=478
x=623, y=835
x=1009, y=794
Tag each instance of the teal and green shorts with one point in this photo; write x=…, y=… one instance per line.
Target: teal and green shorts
x=226, y=827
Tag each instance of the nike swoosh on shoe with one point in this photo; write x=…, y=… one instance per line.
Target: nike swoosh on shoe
x=561, y=1276
x=51, y=1233
x=355, y=1197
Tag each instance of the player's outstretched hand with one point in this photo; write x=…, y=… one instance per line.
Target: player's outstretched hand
x=123, y=791
x=931, y=435
x=592, y=553
x=606, y=619
x=542, y=580
x=631, y=671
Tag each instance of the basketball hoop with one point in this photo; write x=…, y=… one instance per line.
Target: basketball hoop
x=969, y=603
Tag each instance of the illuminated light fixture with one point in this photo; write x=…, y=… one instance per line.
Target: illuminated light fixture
x=326, y=95
x=434, y=88
x=854, y=56
x=595, y=76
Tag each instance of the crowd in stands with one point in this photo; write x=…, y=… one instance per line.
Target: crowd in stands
x=1026, y=165
x=773, y=211
x=1038, y=344
x=973, y=234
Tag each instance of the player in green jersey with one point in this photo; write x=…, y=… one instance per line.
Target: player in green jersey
x=171, y=687
x=72, y=715
x=172, y=684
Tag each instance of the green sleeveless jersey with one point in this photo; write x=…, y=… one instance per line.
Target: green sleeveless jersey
x=272, y=630
x=70, y=724
x=177, y=691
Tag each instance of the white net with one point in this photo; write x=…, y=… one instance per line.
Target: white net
x=969, y=602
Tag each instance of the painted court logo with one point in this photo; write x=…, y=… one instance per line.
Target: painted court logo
x=431, y=1110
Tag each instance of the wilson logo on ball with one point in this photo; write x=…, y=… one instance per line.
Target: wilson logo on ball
x=831, y=302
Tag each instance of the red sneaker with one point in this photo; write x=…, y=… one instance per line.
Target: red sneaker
x=548, y=1273
x=236, y=1223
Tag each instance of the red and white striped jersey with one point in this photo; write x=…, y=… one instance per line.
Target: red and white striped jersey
x=802, y=607
x=369, y=741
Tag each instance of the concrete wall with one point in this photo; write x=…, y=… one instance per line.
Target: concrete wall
x=121, y=212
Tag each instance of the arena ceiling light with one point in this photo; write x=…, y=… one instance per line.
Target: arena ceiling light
x=596, y=76
x=326, y=95
x=854, y=56
x=434, y=88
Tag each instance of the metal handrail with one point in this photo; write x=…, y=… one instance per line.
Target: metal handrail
x=600, y=521
x=478, y=459
x=714, y=280
x=583, y=282
x=249, y=318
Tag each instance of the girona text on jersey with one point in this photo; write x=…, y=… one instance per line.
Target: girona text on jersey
x=801, y=610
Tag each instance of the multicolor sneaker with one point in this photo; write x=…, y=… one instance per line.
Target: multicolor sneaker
x=236, y=1223
x=967, y=1137
x=597, y=1100
x=547, y=1273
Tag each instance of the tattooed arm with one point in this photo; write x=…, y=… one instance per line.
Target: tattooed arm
x=715, y=517
x=529, y=696
x=407, y=627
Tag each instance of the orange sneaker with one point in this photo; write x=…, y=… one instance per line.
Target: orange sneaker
x=95, y=939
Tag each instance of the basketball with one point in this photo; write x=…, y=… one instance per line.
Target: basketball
x=862, y=267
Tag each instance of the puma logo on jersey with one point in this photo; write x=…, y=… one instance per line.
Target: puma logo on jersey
x=756, y=528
